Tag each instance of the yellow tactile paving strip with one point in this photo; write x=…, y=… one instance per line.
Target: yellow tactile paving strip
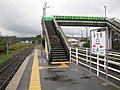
x=59, y=62
x=35, y=76
x=35, y=83
x=63, y=65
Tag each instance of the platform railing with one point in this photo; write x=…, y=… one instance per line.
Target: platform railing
x=81, y=56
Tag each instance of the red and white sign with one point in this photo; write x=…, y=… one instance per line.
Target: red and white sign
x=98, y=42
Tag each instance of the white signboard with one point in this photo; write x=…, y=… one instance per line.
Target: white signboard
x=98, y=42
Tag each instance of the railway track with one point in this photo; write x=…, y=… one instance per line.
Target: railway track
x=10, y=68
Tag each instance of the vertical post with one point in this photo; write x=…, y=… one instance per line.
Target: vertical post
x=98, y=64
x=110, y=40
x=7, y=49
x=105, y=62
x=86, y=35
x=76, y=56
x=105, y=12
x=86, y=54
x=42, y=39
x=44, y=9
x=90, y=52
x=46, y=50
x=70, y=54
x=106, y=50
x=106, y=56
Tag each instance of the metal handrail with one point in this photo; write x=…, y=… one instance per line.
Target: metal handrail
x=64, y=37
x=46, y=34
x=62, y=33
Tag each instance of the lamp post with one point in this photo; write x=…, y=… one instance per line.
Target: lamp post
x=106, y=49
x=105, y=12
x=44, y=9
x=44, y=15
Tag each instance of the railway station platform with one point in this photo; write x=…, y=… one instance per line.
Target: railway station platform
x=36, y=74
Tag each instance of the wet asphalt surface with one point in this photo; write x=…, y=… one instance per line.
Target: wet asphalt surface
x=71, y=78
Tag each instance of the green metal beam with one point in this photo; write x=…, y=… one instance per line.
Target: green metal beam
x=84, y=18
x=48, y=18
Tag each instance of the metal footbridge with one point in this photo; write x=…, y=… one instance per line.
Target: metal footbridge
x=55, y=37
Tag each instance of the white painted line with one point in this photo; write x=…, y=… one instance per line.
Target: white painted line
x=72, y=69
x=76, y=70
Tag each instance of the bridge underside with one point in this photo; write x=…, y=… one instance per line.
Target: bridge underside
x=81, y=23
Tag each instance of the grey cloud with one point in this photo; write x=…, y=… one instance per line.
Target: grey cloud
x=22, y=17
x=18, y=20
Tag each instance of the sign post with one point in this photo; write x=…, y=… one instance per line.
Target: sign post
x=99, y=46
x=106, y=56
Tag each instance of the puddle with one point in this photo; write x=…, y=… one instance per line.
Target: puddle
x=75, y=83
x=56, y=71
x=59, y=78
x=85, y=76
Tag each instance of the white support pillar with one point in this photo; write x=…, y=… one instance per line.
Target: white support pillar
x=110, y=39
x=76, y=56
x=86, y=54
x=46, y=49
x=70, y=54
x=97, y=64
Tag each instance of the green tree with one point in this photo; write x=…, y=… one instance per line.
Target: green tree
x=13, y=39
x=87, y=44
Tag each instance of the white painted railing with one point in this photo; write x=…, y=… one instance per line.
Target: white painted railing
x=81, y=56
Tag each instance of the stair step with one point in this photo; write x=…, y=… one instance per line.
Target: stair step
x=59, y=50
x=58, y=54
x=55, y=46
x=54, y=60
x=59, y=57
x=60, y=45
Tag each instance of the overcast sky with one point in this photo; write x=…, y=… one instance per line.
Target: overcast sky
x=23, y=17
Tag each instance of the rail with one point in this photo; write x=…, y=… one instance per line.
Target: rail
x=9, y=70
x=82, y=57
